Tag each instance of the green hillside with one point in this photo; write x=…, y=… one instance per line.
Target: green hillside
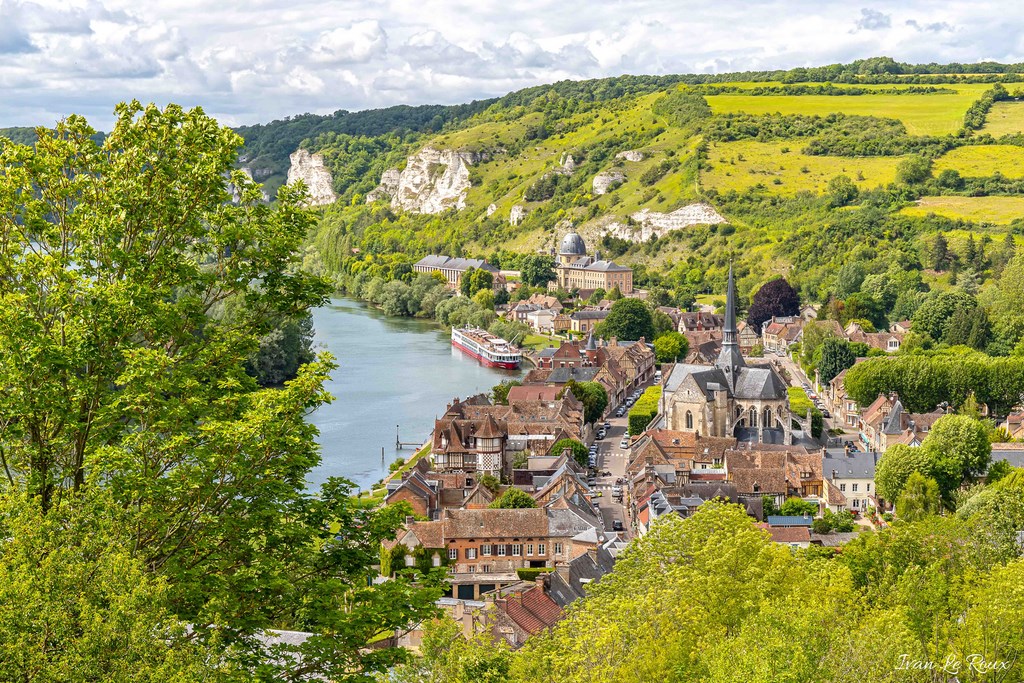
x=842, y=186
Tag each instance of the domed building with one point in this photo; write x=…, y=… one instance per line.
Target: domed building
x=572, y=248
x=576, y=270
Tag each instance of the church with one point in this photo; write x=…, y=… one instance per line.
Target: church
x=576, y=270
x=729, y=398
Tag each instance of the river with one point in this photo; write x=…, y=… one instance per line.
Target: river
x=392, y=371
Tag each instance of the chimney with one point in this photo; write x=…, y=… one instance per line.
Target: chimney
x=834, y=473
x=593, y=553
x=540, y=580
x=563, y=570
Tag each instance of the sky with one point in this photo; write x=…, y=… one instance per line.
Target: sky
x=255, y=61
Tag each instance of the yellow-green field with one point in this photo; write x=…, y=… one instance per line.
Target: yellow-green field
x=743, y=164
x=984, y=160
x=998, y=210
x=1005, y=118
x=937, y=114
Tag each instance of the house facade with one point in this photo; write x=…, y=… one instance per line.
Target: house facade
x=575, y=270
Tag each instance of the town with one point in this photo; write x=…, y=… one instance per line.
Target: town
x=526, y=499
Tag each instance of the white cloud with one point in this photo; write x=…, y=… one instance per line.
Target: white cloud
x=272, y=58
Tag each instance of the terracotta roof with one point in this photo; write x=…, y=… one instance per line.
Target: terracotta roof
x=488, y=523
x=532, y=609
x=429, y=534
x=535, y=392
x=799, y=534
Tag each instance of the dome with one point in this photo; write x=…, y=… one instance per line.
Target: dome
x=572, y=244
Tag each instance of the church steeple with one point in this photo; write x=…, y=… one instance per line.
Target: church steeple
x=730, y=359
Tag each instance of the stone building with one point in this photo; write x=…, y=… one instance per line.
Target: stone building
x=575, y=270
x=454, y=268
x=729, y=398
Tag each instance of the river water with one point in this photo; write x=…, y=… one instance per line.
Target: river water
x=392, y=371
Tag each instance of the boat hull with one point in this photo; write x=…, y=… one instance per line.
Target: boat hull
x=505, y=365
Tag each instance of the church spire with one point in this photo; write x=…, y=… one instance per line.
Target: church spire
x=730, y=359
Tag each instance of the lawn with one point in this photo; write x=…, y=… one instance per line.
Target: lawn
x=997, y=210
x=937, y=114
x=984, y=160
x=742, y=164
x=1005, y=118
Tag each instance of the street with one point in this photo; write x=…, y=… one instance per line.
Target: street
x=611, y=458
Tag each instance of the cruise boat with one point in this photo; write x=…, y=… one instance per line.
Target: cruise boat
x=490, y=350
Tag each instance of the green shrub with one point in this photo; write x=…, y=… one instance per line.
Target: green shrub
x=644, y=410
x=531, y=573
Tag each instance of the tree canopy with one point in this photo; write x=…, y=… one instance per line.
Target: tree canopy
x=775, y=298
x=629, y=319
x=133, y=291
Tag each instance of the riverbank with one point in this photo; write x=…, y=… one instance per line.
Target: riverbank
x=394, y=373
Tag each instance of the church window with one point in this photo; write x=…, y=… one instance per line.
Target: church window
x=767, y=417
x=753, y=417
x=689, y=420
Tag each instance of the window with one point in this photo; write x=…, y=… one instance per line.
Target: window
x=558, y=549
x=529, y=549
x=485, y=549
x=501, y=549
x=470, y=553
x=689, y=420
x=753, y=417
x=856, y=502
x=868, y=487
x=842, y=487
x=517, y=549
x=541, y=549
x=472, y=569
x=855, y=488
x=453, y=553
x=485, y=569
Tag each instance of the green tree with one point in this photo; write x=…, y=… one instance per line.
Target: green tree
x=514, y=498
x=841, y=191
x=671, y=347
x=537, y=270
x=798, y=507
x=662, y=323
x=475, y=280
x=576, y=449
x=895, y=467
x=629, y=319
x=127, y=375
x=592, y=395
x=499, y=392
x=913, y=170
x=959, y=451
x=835, y=356
x=491, y=483
x=76, y=605
x=920, y=498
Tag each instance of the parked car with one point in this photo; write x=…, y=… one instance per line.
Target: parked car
x=825, y=412
x=607, y=425
x=624, y=443
x=617, y=525
x=616, y=490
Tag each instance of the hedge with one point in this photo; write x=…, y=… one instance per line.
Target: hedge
x=798, y=405
x=644, y=410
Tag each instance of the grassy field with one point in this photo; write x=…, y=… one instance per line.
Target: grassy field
x=739, y=165
x=1005, y=118
x=984, y=160
x=921, y=114
x=997, y=210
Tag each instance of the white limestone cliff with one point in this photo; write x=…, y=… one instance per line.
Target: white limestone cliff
x=310, y=168
x=567, y=165
x=631, y=155
x=605, y=179
x=649, y=223
x=517, y=214
x=433, y=181
x=491, y=208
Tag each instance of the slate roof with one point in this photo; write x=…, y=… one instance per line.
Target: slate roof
x=463, y=264
x=607, y=267
x=563, y=375
x=852, y=465
x=789, y=520
x=1012, y=453
x=752, y=382
x=572, y=243
x=595, y=314
x=833, y=539
x=583, y=570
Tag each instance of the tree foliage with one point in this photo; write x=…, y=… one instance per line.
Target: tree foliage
x=133, y=293
x=775, y=298
x=576, y=448
x=592, y=395
x=514, y=498
x=629, y=319
x=671, y=347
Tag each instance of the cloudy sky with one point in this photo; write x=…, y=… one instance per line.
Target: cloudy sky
x=263, y=59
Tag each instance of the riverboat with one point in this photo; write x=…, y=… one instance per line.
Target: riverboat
x=487, y=348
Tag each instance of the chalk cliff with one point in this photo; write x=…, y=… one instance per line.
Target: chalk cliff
x=310, y=169
x=433, y=181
